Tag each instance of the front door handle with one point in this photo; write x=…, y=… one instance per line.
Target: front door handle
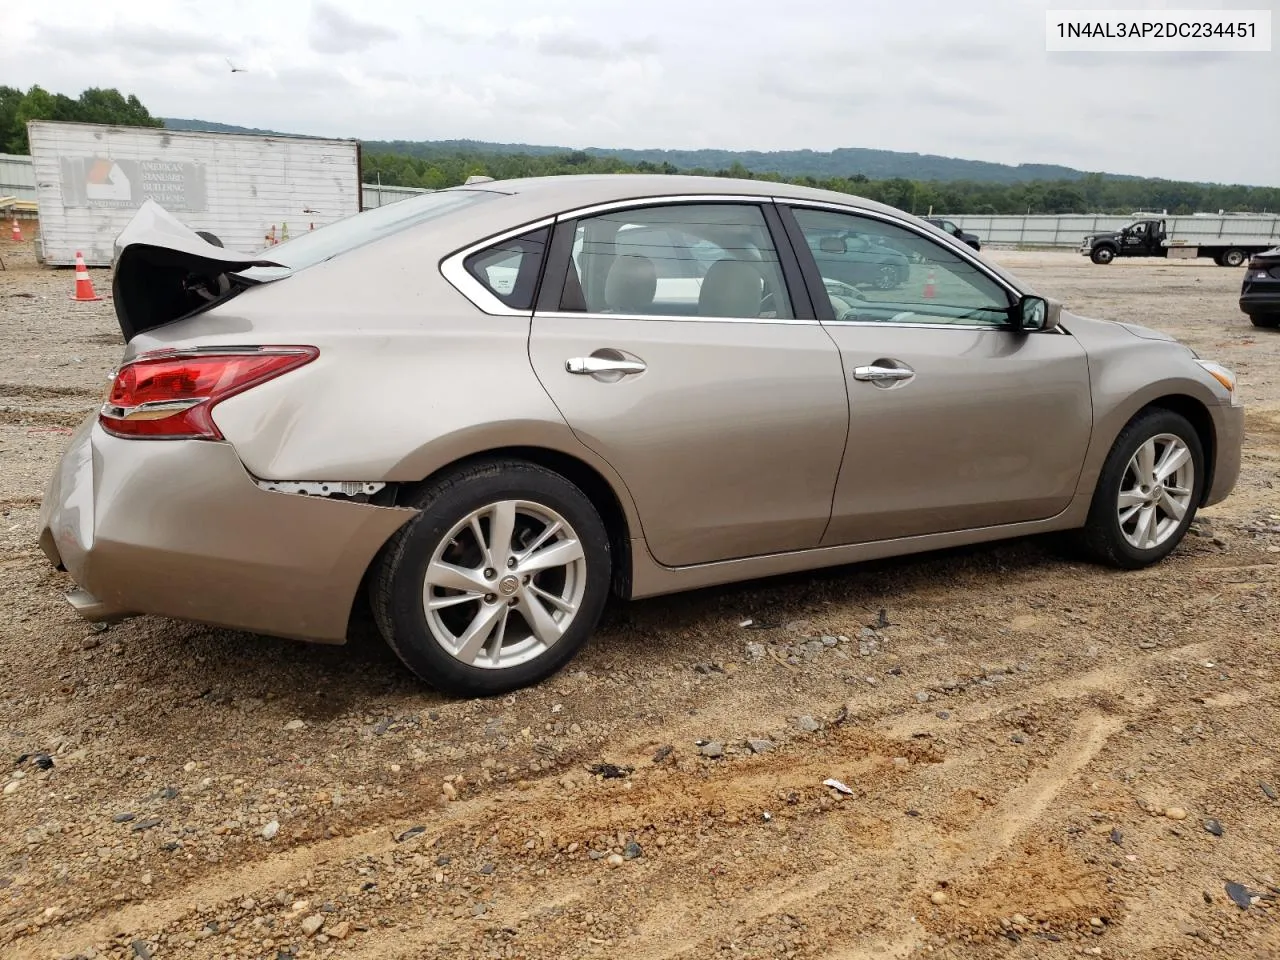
x=878, y=374
x=590, y=366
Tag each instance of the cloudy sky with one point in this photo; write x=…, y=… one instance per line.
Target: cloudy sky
x=967, y=79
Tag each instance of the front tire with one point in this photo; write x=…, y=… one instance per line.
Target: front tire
x=1147, y=494
x=1102, y=255
x=1267, y=320
x=497, y=583
x=1233, y=258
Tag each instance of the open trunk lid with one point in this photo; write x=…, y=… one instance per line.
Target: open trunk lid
x=165, y=271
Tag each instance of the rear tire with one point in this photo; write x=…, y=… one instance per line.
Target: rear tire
x=1114, y=534
x=1233, y=258
x=466, y=593
x=1102, y=255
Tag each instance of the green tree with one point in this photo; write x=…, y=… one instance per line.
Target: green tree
x=1064, y=199
x=98, y=105
x=439, y=165
x=37, y=104
x=10, y=98
x=95, y=105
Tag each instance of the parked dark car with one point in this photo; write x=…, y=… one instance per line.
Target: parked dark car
x=970, y=238
x=856, y=258
x=1260, y=292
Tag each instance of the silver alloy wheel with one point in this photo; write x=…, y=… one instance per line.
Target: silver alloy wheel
x=1155, y=492
x=887, y=277
x=504, y=584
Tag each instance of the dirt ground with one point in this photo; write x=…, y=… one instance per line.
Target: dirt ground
x=1045, y=759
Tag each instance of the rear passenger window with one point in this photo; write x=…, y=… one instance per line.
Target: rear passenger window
x=509, y=269
x=682, y=260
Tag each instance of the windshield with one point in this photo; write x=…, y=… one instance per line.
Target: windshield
x=361, y=228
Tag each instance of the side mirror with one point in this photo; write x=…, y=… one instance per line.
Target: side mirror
x=1037, y=313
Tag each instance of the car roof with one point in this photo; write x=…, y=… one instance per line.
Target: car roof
x=566, y=192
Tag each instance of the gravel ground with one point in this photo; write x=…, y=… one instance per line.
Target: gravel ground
x=1042, y=758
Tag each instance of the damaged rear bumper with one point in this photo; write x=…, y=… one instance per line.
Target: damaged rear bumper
x=178, y=528
x=82, y=601
x=94, y=610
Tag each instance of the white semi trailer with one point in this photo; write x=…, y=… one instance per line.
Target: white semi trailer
x=92, y=178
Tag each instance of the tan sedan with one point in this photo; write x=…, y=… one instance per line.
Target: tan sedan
x=493, y=405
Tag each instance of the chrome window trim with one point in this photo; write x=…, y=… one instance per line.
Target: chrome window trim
x=661, y=201
x=984, y=327
x=962, y=249
x=648, y=317
x=903, y=325
x=452, y=269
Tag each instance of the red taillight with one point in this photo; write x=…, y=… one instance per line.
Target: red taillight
x=170, y=394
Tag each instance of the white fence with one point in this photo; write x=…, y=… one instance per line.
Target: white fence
x=1067, y=230
x=1063, y=230
x=17, y=176
x=376, y=195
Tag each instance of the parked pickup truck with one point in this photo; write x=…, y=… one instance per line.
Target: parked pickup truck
x=1149, y=238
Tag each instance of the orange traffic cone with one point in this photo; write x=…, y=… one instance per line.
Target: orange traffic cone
x=16, y=233
x=929, y=290
x=84, y=286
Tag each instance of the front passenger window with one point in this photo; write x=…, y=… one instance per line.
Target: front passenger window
x=876, y=271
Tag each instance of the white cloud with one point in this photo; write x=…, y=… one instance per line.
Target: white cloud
x=969, y=80
x=333, y=31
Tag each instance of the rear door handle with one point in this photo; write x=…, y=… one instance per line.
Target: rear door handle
x=590, y=366
x=879, y=374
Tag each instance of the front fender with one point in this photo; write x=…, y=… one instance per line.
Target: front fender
x=1121, y=381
